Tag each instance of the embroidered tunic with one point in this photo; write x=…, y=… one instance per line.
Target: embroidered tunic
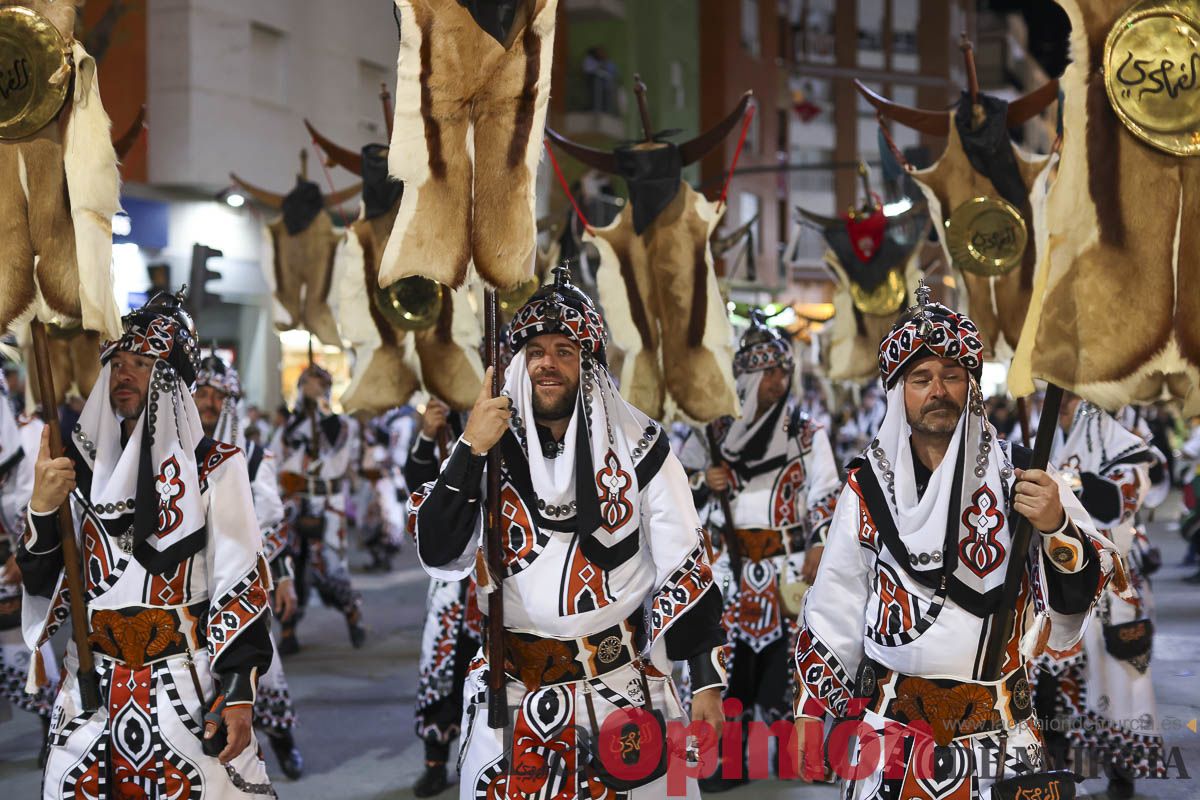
x=659, y=592
x=204, y=599
x=890, y=615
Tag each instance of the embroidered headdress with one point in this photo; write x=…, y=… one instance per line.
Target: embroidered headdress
x=560, y=307
x=930, y=329
x=762, y=348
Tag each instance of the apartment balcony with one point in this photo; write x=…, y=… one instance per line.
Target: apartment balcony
x=596, y=9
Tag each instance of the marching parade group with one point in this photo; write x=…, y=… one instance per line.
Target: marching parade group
x=697, y=549
x=649, y=542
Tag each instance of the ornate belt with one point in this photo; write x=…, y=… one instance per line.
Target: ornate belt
x=294, y=483
x=141, y=635
x=951, y=708
x=539, y=661
x=756, y=544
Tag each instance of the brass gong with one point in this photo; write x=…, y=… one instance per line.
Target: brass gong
x=35, y=72
x=986, y=236
x=885, y=299
x=1152, y=73
x=413, y=303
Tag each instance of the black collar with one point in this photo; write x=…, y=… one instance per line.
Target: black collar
x=921, y=474
x=551, y=447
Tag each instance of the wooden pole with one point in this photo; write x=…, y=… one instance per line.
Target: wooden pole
x=89, y=683
x=729, y=534
x=968, y=52
x=385, y=97
x=1005, y=618
x=639, y=90
x=497, y=684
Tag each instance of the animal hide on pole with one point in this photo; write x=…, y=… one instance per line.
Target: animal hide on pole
x=302, y=241
x=389, y=364
x=59, y=190
x=470, y=108
x=1115, y=303
x=998, y=304
x=854, y=336
x=873, y=259
x=74, y=362
x=665, y=311
x=671, y=335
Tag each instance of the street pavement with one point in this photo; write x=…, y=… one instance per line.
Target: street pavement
x=355, y=706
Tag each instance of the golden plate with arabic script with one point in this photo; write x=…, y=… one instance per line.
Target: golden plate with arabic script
x=986, y=236
x=1152, y=73
x=35, y=72
x=885, y=299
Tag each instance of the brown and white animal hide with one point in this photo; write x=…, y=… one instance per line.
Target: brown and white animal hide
x=665, y=313
x=854, y=337
x=466, y=141
x=59, y=190
x=302, y=266
x=997, y=304
x=1115, y=315
x=449, y=352
x=382, y=376
x=387, y=358
x=74, y=362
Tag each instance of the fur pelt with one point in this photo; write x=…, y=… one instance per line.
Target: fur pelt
x=997, y=305
x=451, y=368
x=74, y=362
x=59, y=189
x=303, y=267
x=1115, y=304
x=466, y=140
x=853, y=347
x=382, y=377
x=665, y=313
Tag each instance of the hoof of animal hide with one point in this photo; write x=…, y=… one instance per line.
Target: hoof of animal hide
x=384, y=381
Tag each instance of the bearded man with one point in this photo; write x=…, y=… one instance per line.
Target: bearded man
x=598, y=523
x=166, y=526
x=912, y=577
x=218, y=392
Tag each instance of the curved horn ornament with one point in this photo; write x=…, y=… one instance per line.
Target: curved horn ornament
x=127, y=140
x=268, y=199
x=933, y=123
x=596, y=159
x=346, y=159
x=695, y=149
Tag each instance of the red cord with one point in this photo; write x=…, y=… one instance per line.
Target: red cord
x=566, y=189
x=736, y=154
x=887, y=136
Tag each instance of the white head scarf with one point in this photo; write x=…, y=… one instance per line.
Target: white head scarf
x=167, y=499
x=972, y=501
x=605, y=440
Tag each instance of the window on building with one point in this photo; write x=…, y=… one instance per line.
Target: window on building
x=754, y=132
x=268, y=64
x=812, y=30
x=750, y=208
x=678, y=86
x=870, y=32
x=751, y=36
x=371, y=77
